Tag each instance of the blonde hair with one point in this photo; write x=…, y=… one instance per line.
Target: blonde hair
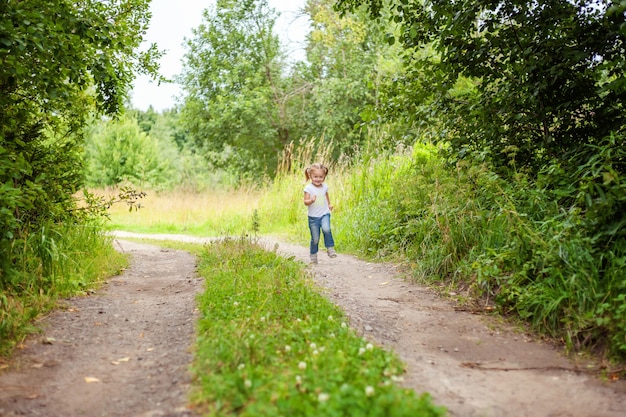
x=307, y=171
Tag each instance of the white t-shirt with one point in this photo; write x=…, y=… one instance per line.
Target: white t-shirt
x=320, y=206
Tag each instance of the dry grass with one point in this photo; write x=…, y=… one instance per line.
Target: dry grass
x=208, y=213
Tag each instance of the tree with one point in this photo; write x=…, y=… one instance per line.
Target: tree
x=120, y=152
x=548, y=76
x=342, y=53
x=233, y=79
x=60, y=61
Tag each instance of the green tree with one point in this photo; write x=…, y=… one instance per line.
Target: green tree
x=60, y=61
x=341, y=57
x=346, y=57
x=545, y=77
x=232, y=76
x=120, y=151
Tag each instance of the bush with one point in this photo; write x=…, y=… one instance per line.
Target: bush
x=549, y=250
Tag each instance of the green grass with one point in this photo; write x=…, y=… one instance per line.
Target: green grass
x=58, y=261
x=550, y=250
x=269, y=344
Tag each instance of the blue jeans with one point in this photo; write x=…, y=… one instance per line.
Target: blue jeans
x=323, y=223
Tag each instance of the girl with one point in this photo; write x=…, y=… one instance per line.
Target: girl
x=318, y=202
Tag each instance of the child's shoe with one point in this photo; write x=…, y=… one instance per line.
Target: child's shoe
x=314, y=258
x=332, y=253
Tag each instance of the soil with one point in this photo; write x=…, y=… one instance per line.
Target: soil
x=125, y=349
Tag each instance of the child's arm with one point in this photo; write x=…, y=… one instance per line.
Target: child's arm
x=330, y=206
x=309, y=199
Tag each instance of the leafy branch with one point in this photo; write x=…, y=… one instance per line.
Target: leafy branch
x=98, y=206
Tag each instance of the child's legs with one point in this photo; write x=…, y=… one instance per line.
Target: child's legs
x=315, y=224
x=329, y=242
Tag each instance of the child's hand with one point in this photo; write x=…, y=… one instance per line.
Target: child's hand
x=330, y=207
x=313, y=198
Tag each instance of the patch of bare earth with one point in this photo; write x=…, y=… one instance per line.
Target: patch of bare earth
x=134, y=337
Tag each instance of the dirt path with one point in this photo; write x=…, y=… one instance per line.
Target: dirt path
x=121, y=352
x=134, y=338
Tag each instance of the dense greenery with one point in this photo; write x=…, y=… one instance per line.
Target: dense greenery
x=482, y=141
x=246, y=102
x=61, y=62
x=234, y=108
x=504, y=245
x=523, y=83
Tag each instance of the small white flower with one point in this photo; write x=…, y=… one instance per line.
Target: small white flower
x=313, y=346
x=369, y=346
x=315, y=352
x=361, y=351
x=241, y=366
x=247, y=383
x=332, y=335
x=298, y=379
x=323, y=397
x=287, y=348
x=369, y=391
x=302, y=365
x=322, y=349
x=344, y=325
x=236, y=303
x=330, y=318
x=262, y=318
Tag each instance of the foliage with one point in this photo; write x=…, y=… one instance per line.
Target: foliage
x=547, y=76
x=509, y=246
x=84, y=53
x=147, y=149
x=341, y=70
x=276, y=347
x=245, y=105
x=119, y=152
x=61, y=61
x=234, y=108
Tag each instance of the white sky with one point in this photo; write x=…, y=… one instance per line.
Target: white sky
x=172, y=22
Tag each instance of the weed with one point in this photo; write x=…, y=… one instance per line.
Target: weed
x=269, y=344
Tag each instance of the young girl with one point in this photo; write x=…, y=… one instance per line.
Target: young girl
x=318, y=202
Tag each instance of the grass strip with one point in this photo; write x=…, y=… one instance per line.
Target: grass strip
x=269, y=344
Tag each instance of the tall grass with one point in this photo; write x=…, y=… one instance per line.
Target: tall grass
x=517, y=245
x=208, y=213
x=229, y=212
x=59, y=260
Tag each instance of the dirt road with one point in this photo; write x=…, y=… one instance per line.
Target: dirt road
x=124, y=351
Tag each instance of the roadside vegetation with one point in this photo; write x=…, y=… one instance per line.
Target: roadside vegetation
x=56, y=263
x=479, y=143
x=275, y=346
